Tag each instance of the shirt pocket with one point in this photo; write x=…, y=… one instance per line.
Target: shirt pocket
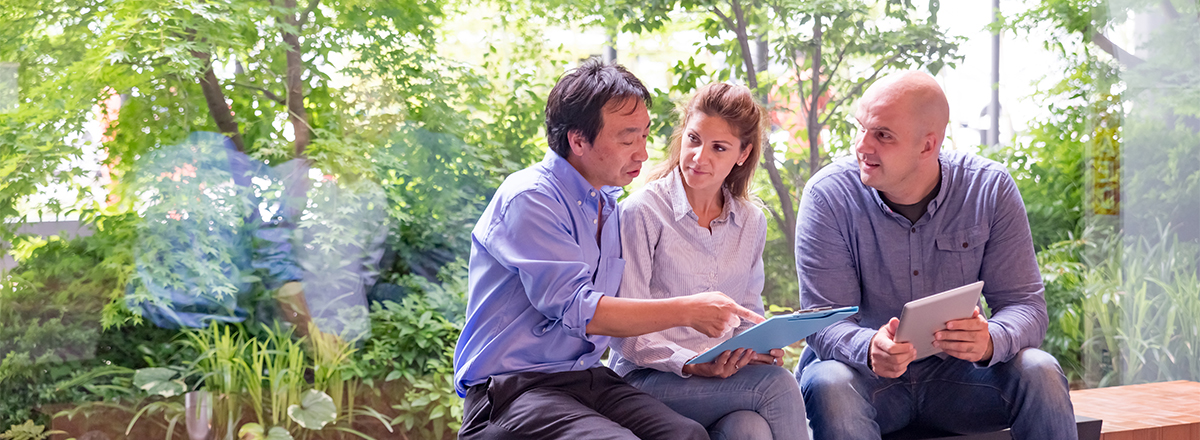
x=962, y=249
x=608, y=275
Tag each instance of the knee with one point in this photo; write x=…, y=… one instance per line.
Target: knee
x=777, y=381
x=689, y=429
x=741, y=425
x=1038, y=367
x=824, y=377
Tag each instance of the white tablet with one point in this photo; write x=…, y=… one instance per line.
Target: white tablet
x=923, y=317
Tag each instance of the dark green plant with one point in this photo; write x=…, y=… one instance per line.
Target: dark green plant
x=1064, y=274
x=409, y=339
x=413, y=345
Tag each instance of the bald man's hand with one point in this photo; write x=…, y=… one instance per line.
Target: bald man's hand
x=889, y=358
x=714, y=314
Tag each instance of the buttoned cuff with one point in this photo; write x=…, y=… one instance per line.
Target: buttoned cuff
x=859, y=351
x=681, y=357
x=1001, y=345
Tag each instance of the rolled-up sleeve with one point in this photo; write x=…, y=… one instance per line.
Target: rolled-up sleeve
x=534, y=239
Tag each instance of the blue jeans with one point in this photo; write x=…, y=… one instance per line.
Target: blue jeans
x=758, y=402
x=1028, y=394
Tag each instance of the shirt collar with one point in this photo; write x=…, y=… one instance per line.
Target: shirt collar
x=576, y=186
x=680, y=207
x=933, y=204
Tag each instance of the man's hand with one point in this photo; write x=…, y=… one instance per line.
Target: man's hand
x=889, y=358
x=966, y=339
x=714, y=314
x=730, y=362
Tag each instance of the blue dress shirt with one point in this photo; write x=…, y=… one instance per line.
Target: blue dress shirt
x=537, y=272
x=852, y=250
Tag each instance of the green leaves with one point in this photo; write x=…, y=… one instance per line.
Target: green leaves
x=315, y=410
x=28, y=431
x=277, y=433
x=159, y=381
x=254, y=431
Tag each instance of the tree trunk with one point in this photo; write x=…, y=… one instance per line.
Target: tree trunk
x=217, y=107
x=295, y=86
x=814, y=124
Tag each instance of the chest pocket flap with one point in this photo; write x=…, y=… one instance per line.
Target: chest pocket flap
x=963, y=240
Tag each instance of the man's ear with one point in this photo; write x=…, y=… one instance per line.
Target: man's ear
x=930, y=143
x=578, y=142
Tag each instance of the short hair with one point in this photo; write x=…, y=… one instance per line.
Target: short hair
x=746, y=118
x=577, y=101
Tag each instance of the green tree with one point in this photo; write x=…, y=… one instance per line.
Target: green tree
x=833, y=50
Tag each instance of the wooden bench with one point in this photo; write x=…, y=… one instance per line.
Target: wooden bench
x=1158, y=411
x=1089, y=429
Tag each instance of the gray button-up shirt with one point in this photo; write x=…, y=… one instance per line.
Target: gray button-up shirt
x=669, y=254
x=852, y=250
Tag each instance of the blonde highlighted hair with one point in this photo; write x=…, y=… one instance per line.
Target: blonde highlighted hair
x=746, y=118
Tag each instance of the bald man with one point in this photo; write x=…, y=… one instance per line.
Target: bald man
x=902, y=220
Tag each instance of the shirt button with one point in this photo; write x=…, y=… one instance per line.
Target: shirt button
x=579, y=202
x=595, y=221
x=915, y=273
x=964, y=245
x=580, y=362
x=592, y=193
x=914, y=230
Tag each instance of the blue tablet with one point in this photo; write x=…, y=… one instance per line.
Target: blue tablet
x=778, y=332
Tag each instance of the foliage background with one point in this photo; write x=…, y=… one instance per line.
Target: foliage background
x=405, y=123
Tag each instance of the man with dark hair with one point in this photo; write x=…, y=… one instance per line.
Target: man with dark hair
x=544, y=270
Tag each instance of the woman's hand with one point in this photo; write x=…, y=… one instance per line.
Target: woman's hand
x=773, y=357
x=729, y=362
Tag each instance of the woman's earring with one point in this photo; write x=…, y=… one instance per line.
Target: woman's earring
x=740, y=163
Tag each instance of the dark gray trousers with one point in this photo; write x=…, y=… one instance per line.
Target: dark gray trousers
x=589, y=404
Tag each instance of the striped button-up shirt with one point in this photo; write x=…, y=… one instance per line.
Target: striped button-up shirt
x=668, y=254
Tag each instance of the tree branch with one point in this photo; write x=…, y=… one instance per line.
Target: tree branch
x=788, y=222
x=799, y=78
x=723, y=17
x=774, y=214
x=840, y=58
x=1123, y=57
x=1169, y=9
x=267, y=93
x=858, y=88
x=744, y=44
x=312, y=6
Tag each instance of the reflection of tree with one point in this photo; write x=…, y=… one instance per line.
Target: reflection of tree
x=436, y=136
x=1137, y=127
x=8, y=86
